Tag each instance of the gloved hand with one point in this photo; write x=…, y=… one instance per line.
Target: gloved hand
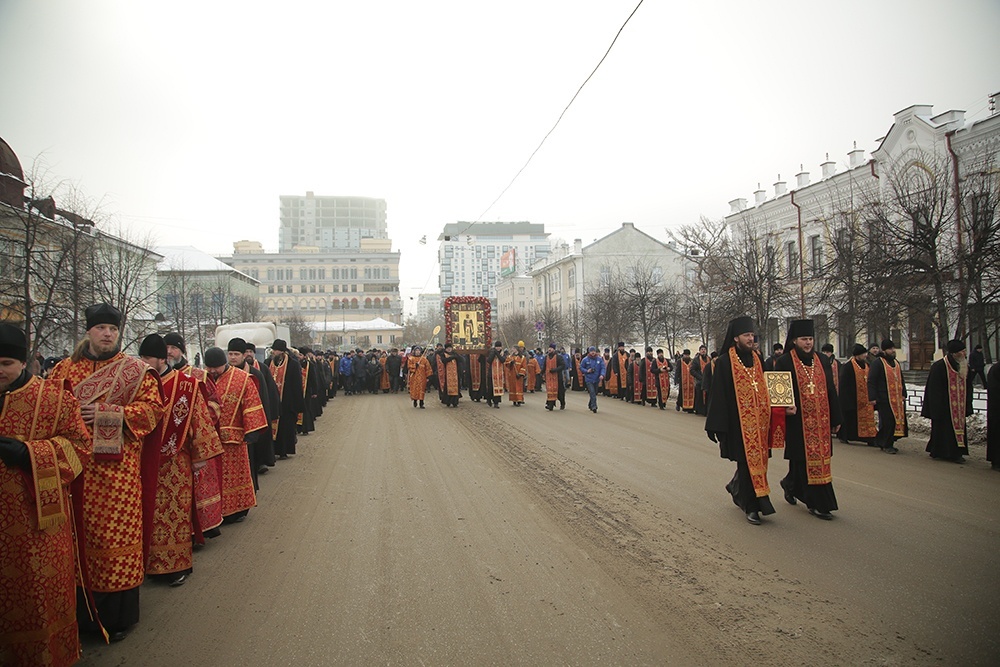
x=14, y=453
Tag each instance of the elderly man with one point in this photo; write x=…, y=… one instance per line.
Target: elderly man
x=887, y=388
x=121, y=403
x=287, y=376
x=44, y=446
x=947, y=402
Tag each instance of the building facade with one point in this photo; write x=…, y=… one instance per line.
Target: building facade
x=515, y=296
x=429, y=308
x=470, y=255
x=802, y=224
x=324, y=285
x=330, y=222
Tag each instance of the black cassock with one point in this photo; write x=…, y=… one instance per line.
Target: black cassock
x=290, y=405
x=993, y=415
x=849, y=403
x=724, y=419
x=819, y=497
x=937, y=407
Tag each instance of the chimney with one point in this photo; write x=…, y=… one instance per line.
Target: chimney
x=801, y=178
x=577, y=246
x=829, y=168
x=737, y=205
x=759, y=195
x=856, y=158
x=780, y=187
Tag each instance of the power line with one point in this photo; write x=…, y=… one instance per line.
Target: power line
x=558, y=120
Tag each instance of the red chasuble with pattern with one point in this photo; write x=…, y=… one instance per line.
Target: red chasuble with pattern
x=754, y=408
x=112, y=497
x=814, y=409
x=241, y=413
x=37, y=556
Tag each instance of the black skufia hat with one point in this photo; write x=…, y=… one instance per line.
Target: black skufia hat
x=153, y=346
x=103, y=313
x=13, y=342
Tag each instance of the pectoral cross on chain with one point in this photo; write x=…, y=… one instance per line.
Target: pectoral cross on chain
x=811, y=387
x=754, y=383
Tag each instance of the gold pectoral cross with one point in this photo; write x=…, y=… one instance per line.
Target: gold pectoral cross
x=754, y=383
x=811, y=387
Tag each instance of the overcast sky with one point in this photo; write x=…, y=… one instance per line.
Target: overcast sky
x=191, y=118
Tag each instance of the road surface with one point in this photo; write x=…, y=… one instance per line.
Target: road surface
x=475, y=536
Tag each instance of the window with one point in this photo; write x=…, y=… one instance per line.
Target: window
x=793, y=259
x=378, y=339
x=571, y=277
x=816, y=254
x=605, y=276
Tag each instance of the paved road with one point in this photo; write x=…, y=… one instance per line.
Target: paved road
x=518, y=536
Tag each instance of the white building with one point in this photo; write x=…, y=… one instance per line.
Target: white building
x=429, y=308
x=470, y=254
x=515, y=295
x=916, y=136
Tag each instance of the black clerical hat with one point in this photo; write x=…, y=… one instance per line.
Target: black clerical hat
x=737, y=327
x=828, y=347
x=13, y=342
x=279, y=345
x=215, y=357
x=153, y=346
x=955, y=346
x=858, y=349
x=237, y=345
x=176, y=340
x=887, y=344
x=103, y=313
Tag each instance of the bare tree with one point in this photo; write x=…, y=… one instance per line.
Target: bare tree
x=124, y=270
x=247, y=308
x=605, y=313
x=299, y=331
x=418, y=332
x=706, y=247
x=556, y=324
x=980, y=220
x=644, y=293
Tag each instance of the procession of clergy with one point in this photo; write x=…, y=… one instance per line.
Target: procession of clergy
x=113, y=467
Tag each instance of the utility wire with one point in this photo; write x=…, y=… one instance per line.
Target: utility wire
x=575, y=95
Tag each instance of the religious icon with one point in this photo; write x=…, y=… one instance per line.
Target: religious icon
x=779, y=389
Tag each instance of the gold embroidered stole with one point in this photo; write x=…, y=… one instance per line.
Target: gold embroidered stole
x=230, y=391
x=551, y=378
x=176, y=422
x=754, y=408
x=497, y=372
x=687, y=385
x=866, y=413
x=111, y=387
x=956, y=401
x=475, y=372
x=894, y=385
x=814, y=411
x=637, y=380
x=50, y=502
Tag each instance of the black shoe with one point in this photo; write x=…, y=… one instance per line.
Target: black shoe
x=754, y=518
x=890, y=450
x=678, y=408
x=262, y=470
x=826, y=516
x=958, y=459
x=562, y=406
x=790, y=499
x=548, y=407
x=414, y=404
x=283, y=457
x=117, y=636
x=594, y=410
x=178, y=580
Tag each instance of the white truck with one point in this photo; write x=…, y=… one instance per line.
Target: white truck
x=261, y=334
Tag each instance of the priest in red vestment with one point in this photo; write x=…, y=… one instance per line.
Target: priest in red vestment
x=44, y=446
x=121, y=402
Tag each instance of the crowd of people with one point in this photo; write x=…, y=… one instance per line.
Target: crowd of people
x=116, y=469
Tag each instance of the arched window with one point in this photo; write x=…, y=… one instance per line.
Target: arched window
x=368, y=303
x=354, y=304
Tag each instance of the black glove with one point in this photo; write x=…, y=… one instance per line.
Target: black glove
x=251, y=438
x=14, y=453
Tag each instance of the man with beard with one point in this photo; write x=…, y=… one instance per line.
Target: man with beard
x=555, y=386
x=698, y=365
x=858, y=411
x=265, y=443
x=739, y=419
x=121, y=402
x=393, y=366
x=241, y=416
x=776, y=351
x=649, y=379
x=449, y=374
x=495, y=374
x=517, y=368
x=418, y=369
x=685, y=383
x=258, y=450
x=577, y=382
x=44, y=447
x=810, y=423
x=186, y=439
x=534, y=370
x=947, y=402
x=828, y=352
x=288, y=378
x=618, y=372
x=888, y=389
x=663, y=380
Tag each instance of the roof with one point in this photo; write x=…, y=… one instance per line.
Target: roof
x=491, y=228
x=378, y=324
x=189, y=258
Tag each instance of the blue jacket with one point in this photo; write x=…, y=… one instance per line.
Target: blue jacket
x=346, y=366
x=592, y=368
